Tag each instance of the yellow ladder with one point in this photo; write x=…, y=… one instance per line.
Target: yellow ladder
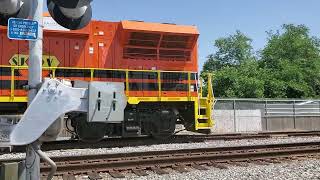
x=204, y=119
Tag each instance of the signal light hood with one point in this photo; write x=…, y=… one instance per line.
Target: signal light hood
x=22, y=12
x=57, y=13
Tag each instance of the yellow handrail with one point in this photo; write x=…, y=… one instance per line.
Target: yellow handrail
x=106, y=69
x=92, y=70
x=12, y=83
x=201, y=88
x=127, y=82
x=189, y=84
x=159, y=84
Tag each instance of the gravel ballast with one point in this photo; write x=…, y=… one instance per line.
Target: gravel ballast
x=5, y=130
x=309, y=169
x=161, y=147
x=294, y=170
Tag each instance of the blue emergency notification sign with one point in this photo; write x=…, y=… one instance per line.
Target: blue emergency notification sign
x=22, y=29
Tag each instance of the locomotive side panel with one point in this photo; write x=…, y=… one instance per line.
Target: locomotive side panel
x=154, y=46
x=10, y=48
x=3, y=71
x=21, y=74
x=156, y=62
x=124, y=45
x=104, y=37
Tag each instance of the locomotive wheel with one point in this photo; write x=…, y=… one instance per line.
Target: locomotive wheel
x=88, y=132
x=164, y=124
x=161, y=134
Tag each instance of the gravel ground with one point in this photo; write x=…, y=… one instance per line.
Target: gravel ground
x=294, y=170
x=4, y=132
x=207, y=144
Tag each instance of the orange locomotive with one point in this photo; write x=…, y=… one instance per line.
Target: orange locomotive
x=157, y=62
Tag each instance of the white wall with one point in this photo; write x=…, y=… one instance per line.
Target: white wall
x=228, y=121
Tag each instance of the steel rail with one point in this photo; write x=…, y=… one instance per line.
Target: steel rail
x=139, y=141
x=84, y=164
x=170, y=158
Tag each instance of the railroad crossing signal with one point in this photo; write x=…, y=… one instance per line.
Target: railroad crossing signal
x=71, y=14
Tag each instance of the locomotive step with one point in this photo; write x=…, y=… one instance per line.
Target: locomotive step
x=203, y=117
x=132, y=128
x=203, y=126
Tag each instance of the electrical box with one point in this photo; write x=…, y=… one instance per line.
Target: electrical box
x=107, y=101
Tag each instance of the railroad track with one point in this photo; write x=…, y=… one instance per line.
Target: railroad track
x=140, y=162
x=140, y=141
x=180, y=160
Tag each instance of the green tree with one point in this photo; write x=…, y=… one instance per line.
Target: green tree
x=291, y=60
x=231, y=51
x=241, y=82
x=235, y=67
x=287, y=67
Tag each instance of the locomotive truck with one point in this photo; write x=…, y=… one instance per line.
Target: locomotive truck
x=156, y=63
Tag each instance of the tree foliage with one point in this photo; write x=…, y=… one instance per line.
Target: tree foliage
x=288, y=66
x=232, y=51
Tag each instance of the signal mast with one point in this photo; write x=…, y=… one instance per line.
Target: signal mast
x=71, y=14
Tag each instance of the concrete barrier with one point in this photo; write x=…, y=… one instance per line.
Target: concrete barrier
x=229, y=121
x=248, y=121
x=307, y=123
x=237, y=121
x=278, y=123
x=224, y=121
x=9, y=171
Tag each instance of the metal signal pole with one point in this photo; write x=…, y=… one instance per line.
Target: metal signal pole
x=34, y=79
x=66, y=15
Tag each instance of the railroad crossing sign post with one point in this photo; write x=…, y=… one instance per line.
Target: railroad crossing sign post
x=32, y=30
x=26, y=29
x=34, y=80
x=71, y=14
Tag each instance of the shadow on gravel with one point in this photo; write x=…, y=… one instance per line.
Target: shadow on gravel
x=112, y=143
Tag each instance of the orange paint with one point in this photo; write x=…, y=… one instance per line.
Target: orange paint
x=114, y=45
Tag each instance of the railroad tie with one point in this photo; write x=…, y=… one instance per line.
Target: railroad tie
x=219, y=166
x=260, y=162
x=140, y=172
x=240, y=164
x=68, y=177
x=94, y=176
x=272, y=161
x=180, y=168
x=199, y=167
x=116, y=174
x=159, y=171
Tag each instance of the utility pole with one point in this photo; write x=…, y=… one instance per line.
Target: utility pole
x=34, y=80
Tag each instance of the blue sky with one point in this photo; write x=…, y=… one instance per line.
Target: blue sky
x=216, y=18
